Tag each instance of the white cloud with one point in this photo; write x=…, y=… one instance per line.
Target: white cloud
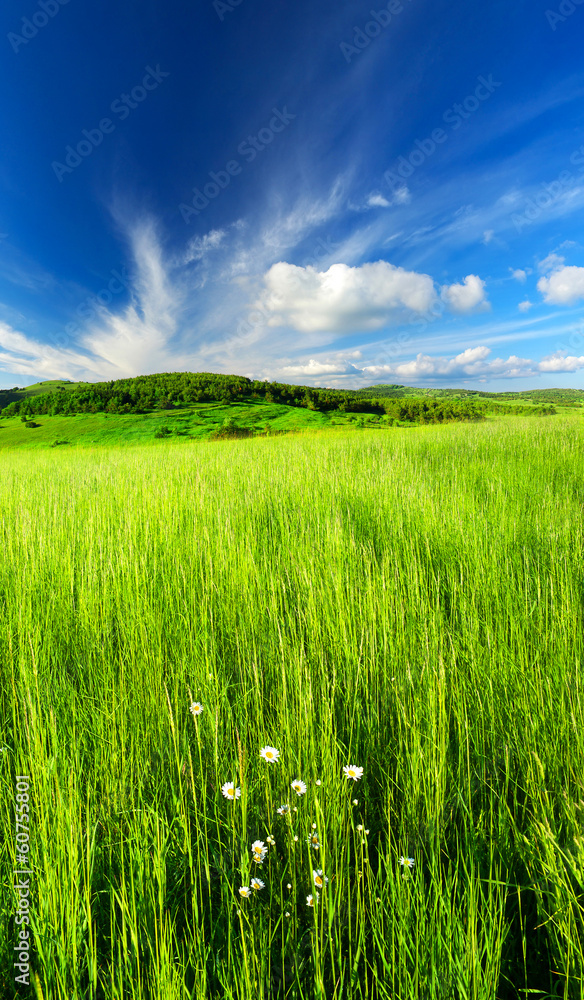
x=473, y=361
x=560, y=362
x=141, y=338
x=467, y=297
x=402, y=195
x=550, y=263
x=199, y=246
x=525, y=305
x=287, y=228
x=519, y=274
x=376, y=200
x=488, y=236
x=563, y=287
x=344, y=299
x=315, y=368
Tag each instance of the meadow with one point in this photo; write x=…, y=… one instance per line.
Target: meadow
x=406, y=602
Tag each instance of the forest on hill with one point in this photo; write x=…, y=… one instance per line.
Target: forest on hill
x=558, y=397
x=173, y=390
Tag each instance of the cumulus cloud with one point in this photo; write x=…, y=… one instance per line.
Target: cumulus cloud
x=475, y=362
x=467, y=297
x=519, y=274
x=472, y=362
x=314, y=368
x=560, y=362
x=401, y=196
x=344, y=299
x=525, y=305
x=376, y=200
x=563, y=287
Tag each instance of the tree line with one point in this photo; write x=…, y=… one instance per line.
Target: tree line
x=173, y=390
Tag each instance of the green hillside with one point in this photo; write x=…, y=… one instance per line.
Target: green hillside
x=560, y=397
x=206, y=405
x=171, y=391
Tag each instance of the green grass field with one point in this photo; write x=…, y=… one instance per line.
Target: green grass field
x=408, y=602
x=194, y=422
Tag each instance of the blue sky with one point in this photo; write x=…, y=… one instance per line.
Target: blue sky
x=325, y=194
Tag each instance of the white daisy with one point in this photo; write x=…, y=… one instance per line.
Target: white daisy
x=270, y=754
x=319, y=878
x=256, y=883
x=352, y=771
x=313, y=841
x=196, y=708
x=230, y=791
x=245, y=891
x=282, y=810
x=298, y=786
x=310, y=900
x=409, y=862
x=258, y=851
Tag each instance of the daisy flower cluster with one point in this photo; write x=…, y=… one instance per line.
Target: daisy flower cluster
x=259, y=850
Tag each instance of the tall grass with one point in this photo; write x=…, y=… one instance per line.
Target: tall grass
x=410, y=602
